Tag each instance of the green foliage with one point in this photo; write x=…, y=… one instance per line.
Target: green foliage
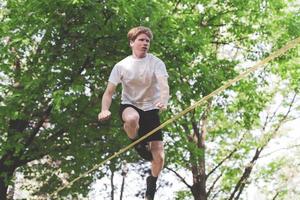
x=57, y=55
x=183, y=195
x=235, y=114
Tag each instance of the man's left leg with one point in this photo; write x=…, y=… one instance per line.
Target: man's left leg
x=157, y=150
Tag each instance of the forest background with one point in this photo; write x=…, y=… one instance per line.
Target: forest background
x=56, y=57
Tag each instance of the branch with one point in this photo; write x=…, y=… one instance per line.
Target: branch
x=245, y=175
x=213, y=185
x=286, y=148
x=222, y=161
x=46, y=114
x=242, y=182
x=21, y=162
x=15, y=157
x=206, y=22
x=38, y=153
x=226, y=158
x=180, y=177
x=38, y=126
x=218, y=41
x=282, y=120
x=275, y=196
x=271, y=117
x=216, y=194
x=196, y=134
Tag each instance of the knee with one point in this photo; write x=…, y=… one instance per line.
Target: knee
x=132, y=120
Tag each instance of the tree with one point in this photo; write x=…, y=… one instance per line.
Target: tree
x=56, y=56
x=56, y=59
x=229, y=119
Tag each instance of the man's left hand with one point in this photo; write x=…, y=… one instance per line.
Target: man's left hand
x=161, y=106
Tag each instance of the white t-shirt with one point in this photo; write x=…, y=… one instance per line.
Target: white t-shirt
x=139, y=80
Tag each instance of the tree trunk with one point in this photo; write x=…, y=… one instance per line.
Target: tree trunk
x=122, y=188
x=124, y=173
x=199, y=182
x=112, y=185
x=198, y=168
x=199, y=178
x=3, y=189
x=6, y=175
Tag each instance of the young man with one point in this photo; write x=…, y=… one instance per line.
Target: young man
x=145, y=91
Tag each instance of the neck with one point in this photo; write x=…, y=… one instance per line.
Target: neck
x=139, y=55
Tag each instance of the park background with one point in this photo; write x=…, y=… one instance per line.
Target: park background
x=56, y=57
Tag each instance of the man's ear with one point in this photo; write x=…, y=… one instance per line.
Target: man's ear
x=131, y=43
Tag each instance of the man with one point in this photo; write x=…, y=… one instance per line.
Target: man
x=145, y=91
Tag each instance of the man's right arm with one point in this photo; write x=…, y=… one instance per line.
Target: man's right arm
x=106, y=102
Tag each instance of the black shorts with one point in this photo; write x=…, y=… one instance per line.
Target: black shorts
x=148, y=121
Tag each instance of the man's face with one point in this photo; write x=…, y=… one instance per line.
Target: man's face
x=140, y=45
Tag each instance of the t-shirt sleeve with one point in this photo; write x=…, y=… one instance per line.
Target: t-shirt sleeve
x=115, y=75
x=160, y=69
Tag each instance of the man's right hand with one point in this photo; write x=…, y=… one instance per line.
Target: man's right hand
x=104, y=115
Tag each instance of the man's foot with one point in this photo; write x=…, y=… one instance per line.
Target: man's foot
x=151, y=187
x=143, y=150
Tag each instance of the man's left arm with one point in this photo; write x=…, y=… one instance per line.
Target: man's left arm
x=162, y=103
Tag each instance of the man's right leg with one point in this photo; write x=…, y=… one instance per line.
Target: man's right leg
x=131, y=122
x=131, y=125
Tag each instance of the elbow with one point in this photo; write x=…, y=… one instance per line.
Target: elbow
x=108, y=94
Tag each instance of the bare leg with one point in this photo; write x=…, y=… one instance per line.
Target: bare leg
x=157, y=149
x=131, y=122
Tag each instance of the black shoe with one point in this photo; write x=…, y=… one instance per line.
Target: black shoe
x=151, y=187
x=143, y=150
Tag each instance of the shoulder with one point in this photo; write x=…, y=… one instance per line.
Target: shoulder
x=124, y=61
x=155, y=59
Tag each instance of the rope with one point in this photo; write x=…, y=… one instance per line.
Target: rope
x=277, y=53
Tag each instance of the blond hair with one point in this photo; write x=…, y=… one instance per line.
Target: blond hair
x=134, y=32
